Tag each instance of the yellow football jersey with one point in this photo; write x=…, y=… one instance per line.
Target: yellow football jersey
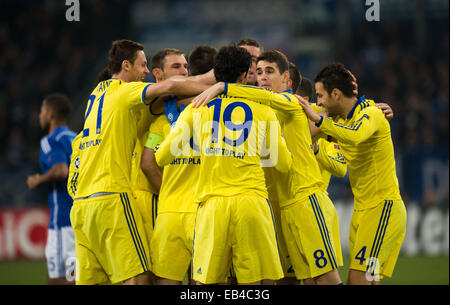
x=109, y=136
x=158, y=130
x=232, y=136
x=179, y=176
x=316, y=107
x=74, y=168
x=304, y=177
x=365, y=139
x=331, y=161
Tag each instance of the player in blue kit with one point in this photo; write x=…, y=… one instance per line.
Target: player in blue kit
x=56, y=150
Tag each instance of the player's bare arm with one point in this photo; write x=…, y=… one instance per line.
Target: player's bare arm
x=207, y=78
x=57, y=172
x=151, y=169
x=175, y=86
x=208, y=94
x=310, y=113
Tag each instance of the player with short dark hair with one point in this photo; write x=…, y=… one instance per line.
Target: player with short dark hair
x=224, y=71
x=378, y=224
x=250, y=42
x=111, y=242
x=255, y=49
x=56, y=149
x=306, y=89
x=276, y=57
x=201, y=59
x=296, y=77
x=168, y=62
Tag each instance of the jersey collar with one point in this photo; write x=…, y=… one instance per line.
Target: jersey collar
x=58, y=130
x=362, y=99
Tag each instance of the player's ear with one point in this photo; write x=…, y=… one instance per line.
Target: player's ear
x=241, y=78
x=126, y=65
x=286, y=77
x=50, y=114
x=157, y=73
x=290, y=82
x=336, y=94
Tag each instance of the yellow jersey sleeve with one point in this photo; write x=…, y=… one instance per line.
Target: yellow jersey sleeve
x=330, y=158
x=283, y=102
x=74, y=168
x=316, y=107
x=159, y=129
x=153, y=141
x=364, y=126
x=135, y=92
x=366, y=143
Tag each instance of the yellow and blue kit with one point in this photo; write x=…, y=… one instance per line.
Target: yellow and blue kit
x=110, y=237
x=230, y=134
x=379, y=220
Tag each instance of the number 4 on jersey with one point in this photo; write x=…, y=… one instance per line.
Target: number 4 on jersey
x=361, y=255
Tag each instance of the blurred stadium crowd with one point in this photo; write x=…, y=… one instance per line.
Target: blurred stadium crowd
x=41, y=52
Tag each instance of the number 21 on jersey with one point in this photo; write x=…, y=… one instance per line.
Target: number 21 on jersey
x=98, y=121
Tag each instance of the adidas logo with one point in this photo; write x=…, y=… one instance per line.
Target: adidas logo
x=199, y=270
x=290, y=270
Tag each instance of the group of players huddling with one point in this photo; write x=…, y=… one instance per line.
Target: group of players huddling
x=220, y=175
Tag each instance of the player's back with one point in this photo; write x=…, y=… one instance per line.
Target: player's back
x=232, y=146
x=304, y=178
x=109, y=136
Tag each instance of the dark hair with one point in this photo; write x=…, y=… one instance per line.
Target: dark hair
x=231, y=61
x=122, y=50
x=306, y=89
x=103, y=75
x=201, y=59
x=335, y=75
x=250, y=42
x=60, y=104
x=295, y=76
x=277, y=57
x=158, y=59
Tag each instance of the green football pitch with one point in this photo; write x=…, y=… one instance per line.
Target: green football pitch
x=416, y=270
